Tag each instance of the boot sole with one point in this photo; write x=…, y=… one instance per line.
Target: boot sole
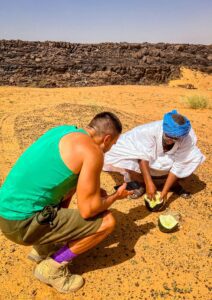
x=44, y=280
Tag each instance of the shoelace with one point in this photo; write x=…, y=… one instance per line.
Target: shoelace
x=66, y=274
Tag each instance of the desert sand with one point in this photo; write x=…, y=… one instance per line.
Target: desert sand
x=137, y=261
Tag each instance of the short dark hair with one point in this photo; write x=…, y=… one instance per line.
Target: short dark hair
x=179, y=119
x=106, y=123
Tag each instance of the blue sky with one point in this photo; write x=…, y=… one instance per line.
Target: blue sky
x=95, y=21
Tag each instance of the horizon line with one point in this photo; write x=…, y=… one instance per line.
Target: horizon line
x=105, y=42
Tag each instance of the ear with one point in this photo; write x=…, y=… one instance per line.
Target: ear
x=107, y=138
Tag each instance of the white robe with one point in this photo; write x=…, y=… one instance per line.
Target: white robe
x=145, y=142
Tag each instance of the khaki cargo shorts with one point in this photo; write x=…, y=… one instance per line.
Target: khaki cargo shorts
x=67, y=226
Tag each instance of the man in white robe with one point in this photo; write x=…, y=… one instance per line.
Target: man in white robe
x=165, y=148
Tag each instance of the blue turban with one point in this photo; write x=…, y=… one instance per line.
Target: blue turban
x=172, y=129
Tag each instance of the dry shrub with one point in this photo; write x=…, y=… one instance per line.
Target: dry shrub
x=197, y=102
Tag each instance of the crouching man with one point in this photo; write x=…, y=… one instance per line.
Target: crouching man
x=158, y=152
x=31, y=198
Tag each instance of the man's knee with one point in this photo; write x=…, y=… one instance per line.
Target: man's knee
x=108, y=223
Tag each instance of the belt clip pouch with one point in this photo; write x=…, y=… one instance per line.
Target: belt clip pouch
x=47, y=215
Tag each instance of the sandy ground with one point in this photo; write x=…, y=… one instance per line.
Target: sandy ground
x=137, y=261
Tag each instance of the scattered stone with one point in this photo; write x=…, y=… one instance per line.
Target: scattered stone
x=188, y=86
x=59, y=64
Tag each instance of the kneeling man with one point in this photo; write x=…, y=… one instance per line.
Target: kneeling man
x=163, y=149
x=32, y=198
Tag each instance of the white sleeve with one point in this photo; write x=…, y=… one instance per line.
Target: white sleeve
x=187, y=158
x=145, y=146
x=136, y=144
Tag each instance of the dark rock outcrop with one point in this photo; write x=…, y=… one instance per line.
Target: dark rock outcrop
x=60, y=64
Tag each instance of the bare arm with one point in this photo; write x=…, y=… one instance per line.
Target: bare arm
x=89, y=199
x=171, y=179
x=150, y=187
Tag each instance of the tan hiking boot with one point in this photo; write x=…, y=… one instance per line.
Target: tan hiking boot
x=58, y=276
x=35, y=256
x=41, y=252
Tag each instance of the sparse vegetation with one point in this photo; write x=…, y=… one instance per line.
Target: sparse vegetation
x=197, y=102
x=137, y=261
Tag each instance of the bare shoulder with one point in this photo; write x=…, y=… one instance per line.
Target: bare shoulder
x=80, y=142
x=77, y=147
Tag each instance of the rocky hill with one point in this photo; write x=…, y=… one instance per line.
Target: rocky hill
x=61, y=64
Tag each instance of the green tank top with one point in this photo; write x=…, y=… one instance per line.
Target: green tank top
x=38, y=178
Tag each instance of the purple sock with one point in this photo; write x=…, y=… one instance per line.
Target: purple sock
x=63, y=254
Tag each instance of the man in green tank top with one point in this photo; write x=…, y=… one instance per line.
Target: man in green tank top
x=35, y=196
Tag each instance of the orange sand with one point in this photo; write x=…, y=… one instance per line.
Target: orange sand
x=137, y=261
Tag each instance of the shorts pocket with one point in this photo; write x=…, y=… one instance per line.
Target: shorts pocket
x=35, y=232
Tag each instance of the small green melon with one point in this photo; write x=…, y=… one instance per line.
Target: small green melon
x=153, y=204
x=167, y=223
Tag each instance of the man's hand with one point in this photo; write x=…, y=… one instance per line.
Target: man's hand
x=151, y=190
x=163, y=196
x=171, y=179
x=122, y=193
x=150, y=187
